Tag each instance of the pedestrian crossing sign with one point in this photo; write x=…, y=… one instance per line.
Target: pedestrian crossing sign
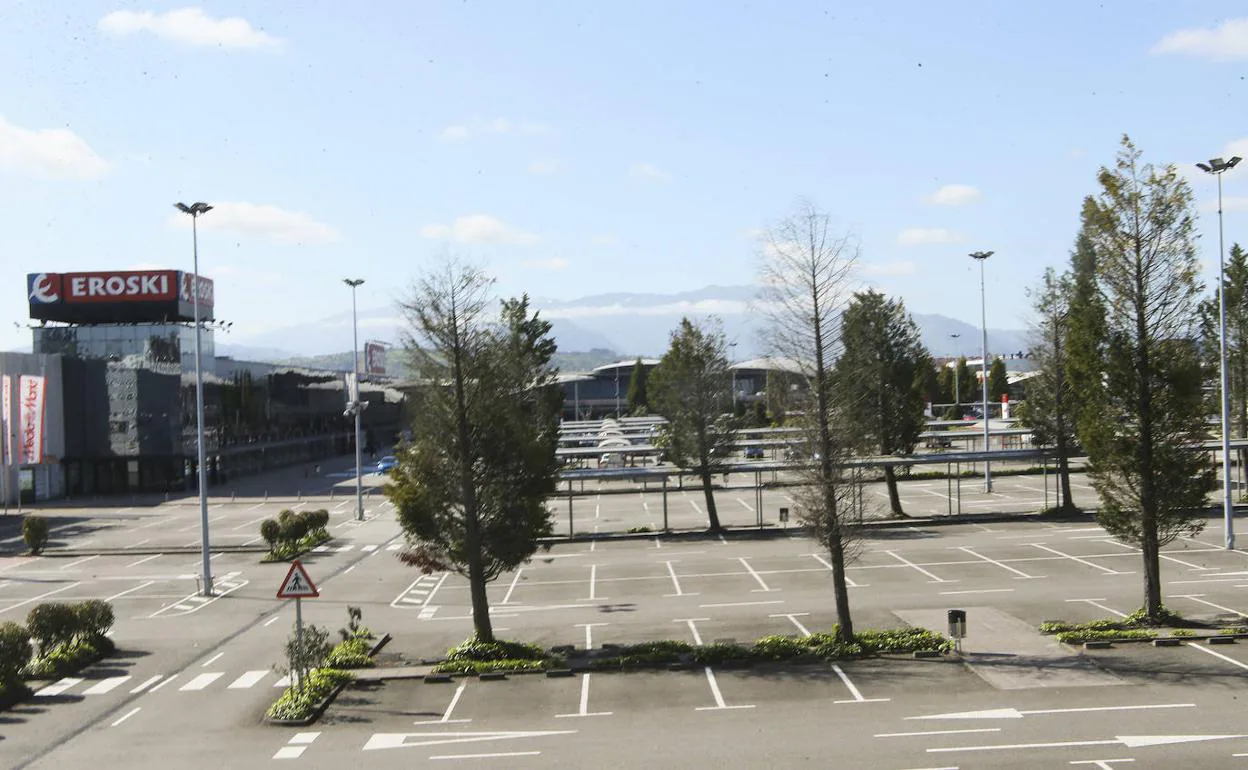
x=297, y=584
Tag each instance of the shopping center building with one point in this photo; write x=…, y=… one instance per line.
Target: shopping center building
x=105, y=404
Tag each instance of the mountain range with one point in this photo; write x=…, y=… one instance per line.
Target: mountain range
x=614, y=325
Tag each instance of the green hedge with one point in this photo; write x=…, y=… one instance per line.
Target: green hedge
x=352, y=653
x=295, y=704
x=67, y=658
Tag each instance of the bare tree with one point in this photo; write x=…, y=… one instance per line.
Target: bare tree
x=805, y=275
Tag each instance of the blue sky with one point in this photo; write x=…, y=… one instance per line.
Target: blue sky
x=578, y=148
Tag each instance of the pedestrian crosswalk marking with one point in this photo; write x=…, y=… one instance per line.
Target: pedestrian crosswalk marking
x=153, y=680
x=283, y=682
x=58, y=687
x=368, y=548
x=104, y=685
x=248, y=679
x=345, y=548
x=201, y=681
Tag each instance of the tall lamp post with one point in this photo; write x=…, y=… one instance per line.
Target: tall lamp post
x=957, y=381
x=981, y=257
x=195, y=210
x=1217, y=167
x=356, y=406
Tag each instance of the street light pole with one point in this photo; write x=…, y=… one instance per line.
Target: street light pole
x=356, y=403
x=981, y=257
x=195, y=210
x=1217, y=167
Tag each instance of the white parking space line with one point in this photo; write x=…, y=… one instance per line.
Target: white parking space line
x=748, y=507
x=693, y=629
x=201, y=681
x=58, y=687
x=147, y=683
x=446, y=715
x=1217, y=654
x=139, y=587
x=1188, y=564
x=106, y=685
x=493, y=755
x=127, y=715
x=675, y=582
x=848, y=580
x=593, y=583
x=247, y=524
x=1020, y=575
x=144, y=560
x=589, y=638
x=1096, y=603
x=908, y=563
x=757, y=577
x=211, y=660
x=33, y=599
x=741, y=604
x=512, y=587
x=939, y=732
x=1085, y=562
x=271, y=620
x=76, y=562
x=793, y=618
x=1209, y=604
x=719, y=696
x=978, y=591
x=585, y=712
x=853, y=690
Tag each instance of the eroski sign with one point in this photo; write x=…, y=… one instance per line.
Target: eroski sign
x=118, y=296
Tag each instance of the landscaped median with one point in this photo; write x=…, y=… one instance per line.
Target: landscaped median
x=292, y=534
x=476, y=657
x=319, y=672
x=58, y=640
x=1171, y=628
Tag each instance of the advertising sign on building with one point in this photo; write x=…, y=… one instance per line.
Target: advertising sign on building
x=118, y=296
x=374, y=358
x=4, y=421
x=30, y=393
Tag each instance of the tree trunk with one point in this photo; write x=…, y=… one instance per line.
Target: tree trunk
x=712, y=514
x=844, y=624
x=894, y=499
x=480, y=602
x=1063, y=480
x=1152, y=570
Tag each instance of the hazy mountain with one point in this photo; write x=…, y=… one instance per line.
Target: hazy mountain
x=613, y=326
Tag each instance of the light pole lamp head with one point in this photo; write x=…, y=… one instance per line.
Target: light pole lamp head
x=981, y=255
x=195, y=209
x=353, y=282
x=1218, y=165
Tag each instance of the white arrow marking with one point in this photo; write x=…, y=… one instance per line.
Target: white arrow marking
x=1010, y=713
x=400, y=740
x=1130, y=741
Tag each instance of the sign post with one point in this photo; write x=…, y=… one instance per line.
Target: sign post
x=298, y=585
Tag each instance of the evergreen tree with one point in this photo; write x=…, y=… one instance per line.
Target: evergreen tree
x=880, y=376
x=998, y=382
x=1143, y=437
x=1235, y=284
x=966, y=385
x=638, y=397
x=1050, y=406
x=470, y=489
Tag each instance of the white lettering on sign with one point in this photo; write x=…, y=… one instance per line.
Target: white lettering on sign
x=143, y=286
x=95, y=286
x=77, y=286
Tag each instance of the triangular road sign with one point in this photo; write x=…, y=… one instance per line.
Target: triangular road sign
x=297, y=584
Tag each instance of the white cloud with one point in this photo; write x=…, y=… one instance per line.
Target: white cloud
x=553, y=263
x=927, y=236
x=953, y=195
x=603, y=240
x=190, y=26
x=501, y=126
x=54, y=153
x=1226, y=42
x=479, y=228
x=888, y=269
x=545, y=167
x=649, y=171
x=454, y=133
x=276, y=224
x=1238, y=147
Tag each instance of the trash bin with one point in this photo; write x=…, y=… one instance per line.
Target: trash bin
x=957, y=624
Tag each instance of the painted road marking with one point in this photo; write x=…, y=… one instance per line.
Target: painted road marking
x=144, y=559
x=909, y=563
x=211, y=660
x=1216, y=654
x=224, y=587
x=978, y=591
x=1094, y=565
x=271, y=620
x=675, y=582
x=493, y=755
x=201, y=681
x=593, y=584
x=1188, y=564
x=139, y=587
x=1020, y=575
x=793, y=618
x=848, y=580
x=58, y=687
x=854, y=690
x=105, y=685
x=40, y=596
x=248, y=679
x=512, y=587
x=446, y=715
x=693, y=629
x=741, y=604
x=719, y=696
x=400, y=740
x=1096, y=603
x=368, y=548
x=1012, y=713
x=1211, y=604
x=1130, y=741
x=162, y=684
x=148, y=683
x=296, y=746
x=589, y=639
x=585, y=712
x=127, y=715
x=757, y=577
x=939, y=732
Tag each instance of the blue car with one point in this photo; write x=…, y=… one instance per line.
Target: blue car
x=386, y=463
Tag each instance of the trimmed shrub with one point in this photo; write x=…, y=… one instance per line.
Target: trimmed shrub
x=35, y=533
x=780, y=647
x=271, y=531
x=52, y=625
x=472, y=649
x=65, y=658
x=352, y=653
x=15, y=652
x=95, y=617
x=301, y=704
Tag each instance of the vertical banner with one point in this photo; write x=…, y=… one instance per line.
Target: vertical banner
x=374, y=358
x=30, y=405
x=4, y=422
x=1005, y=406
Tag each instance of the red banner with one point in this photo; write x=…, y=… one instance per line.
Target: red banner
x=31, y=392
x=4, y=422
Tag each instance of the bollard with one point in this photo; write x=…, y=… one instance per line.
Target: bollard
x=233, y=496
x=266, y=495
x=331, y=494
x=301, y=494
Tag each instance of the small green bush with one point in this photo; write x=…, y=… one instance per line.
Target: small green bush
x=297, y=704
x=1165, y=617
x=910, y=639
x=15, y=652
x=1077, y=637
x=51, y=625
x=95, y=617
x=1183, y=632
x=35, y=533
x=473, y=649
x=780, y=648
x=351, y=653
x=63, y=659
x=485, y=666
x=271, y=531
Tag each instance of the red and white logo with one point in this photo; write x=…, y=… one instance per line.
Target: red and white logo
x=45, y=288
